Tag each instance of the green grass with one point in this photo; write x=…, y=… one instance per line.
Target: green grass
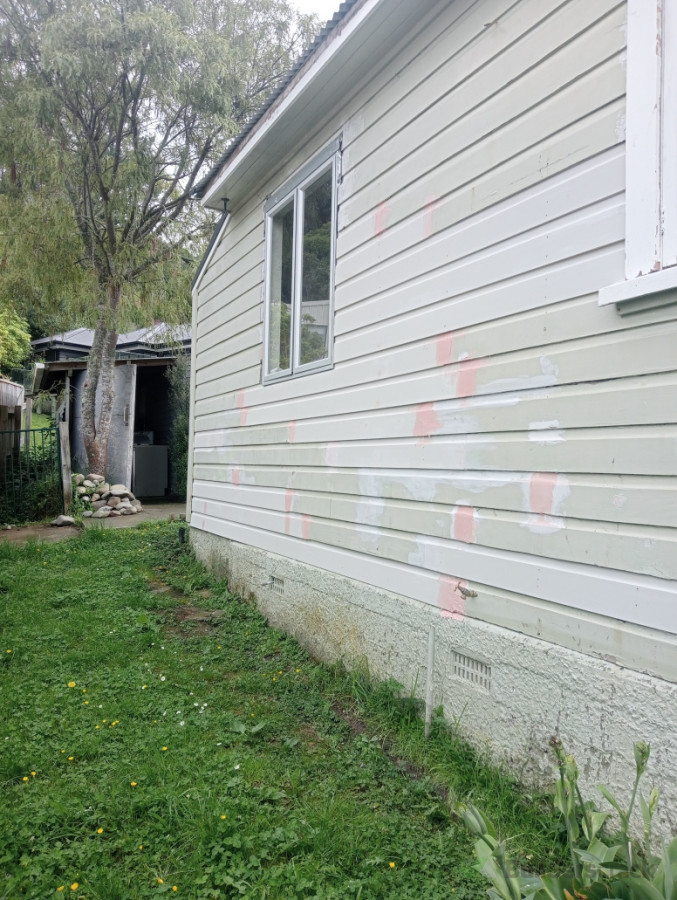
x=139, y=754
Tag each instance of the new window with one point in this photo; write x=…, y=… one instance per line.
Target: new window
x=300, y=230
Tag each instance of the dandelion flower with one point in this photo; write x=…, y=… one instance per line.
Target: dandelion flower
x=75, y=886
x=71, y=758
x=60, y=888
x=34, y=774
x=99, y=830
x=160, y=881
x=9, y=651
x=164, y=748
x=25, y=778
x=174, y=887
x=140, y=846
x=392, y=865
x=71, y=684
x=223, y=817
x=133, y=783
x=162, y=678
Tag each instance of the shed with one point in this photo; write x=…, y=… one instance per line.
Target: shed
x=434, y=363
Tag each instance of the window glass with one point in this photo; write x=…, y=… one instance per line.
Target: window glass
x=281, y=289
x=316, y=270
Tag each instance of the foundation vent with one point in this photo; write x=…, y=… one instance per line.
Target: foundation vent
x=277, y=585
x=472, y=670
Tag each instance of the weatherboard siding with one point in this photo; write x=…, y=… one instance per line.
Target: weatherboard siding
x=486, y=423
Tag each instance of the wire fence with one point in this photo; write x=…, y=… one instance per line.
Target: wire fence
x=30, y=475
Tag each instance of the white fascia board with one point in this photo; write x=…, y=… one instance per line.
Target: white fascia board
x=304, y=80
x=204, y=264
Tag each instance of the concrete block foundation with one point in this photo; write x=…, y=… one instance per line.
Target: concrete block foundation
x=508, y=692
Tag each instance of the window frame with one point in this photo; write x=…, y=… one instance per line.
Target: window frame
x=295, y=189
x=651, y=161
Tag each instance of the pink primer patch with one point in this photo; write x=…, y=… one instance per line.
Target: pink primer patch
x=235, y=475
x=243, y=416
x=288, y=499
x=427, y=421
x=239, y=399
x=331, y=456
x=443, y=348
x=291, y=432
x=428, y=221
x=287, y=524
x=449, y=599
x=305, y=527
x=466, y=385
x=464, y=524
x=542, y=492
x=380, y=219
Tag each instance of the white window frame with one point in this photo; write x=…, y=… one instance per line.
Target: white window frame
x=650, y=153
x=295, y=187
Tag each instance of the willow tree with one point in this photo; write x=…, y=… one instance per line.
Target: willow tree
x=110, y=112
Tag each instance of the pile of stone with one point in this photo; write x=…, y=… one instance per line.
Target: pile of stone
x=103, y=499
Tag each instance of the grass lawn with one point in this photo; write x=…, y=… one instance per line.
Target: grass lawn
x=143, y=753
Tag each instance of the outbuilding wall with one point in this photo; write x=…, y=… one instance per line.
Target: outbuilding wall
x=491, y=445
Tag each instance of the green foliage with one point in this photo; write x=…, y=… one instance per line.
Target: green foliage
x=15, y=340
x=178, y=376
x=620, y=868
x=30, y=479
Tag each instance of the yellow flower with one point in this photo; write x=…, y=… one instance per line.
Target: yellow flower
x=34, y=774
x=133, y=783
x=25, y=778
x=71, y=684
x=392, y=865
x=60, y=888
x=86, y=702
x=140, y=846
x=70, y=758
x=99, y=830
x=223, y=817
x=84, y=690
x=9, y=651
x=160, y=881
x=174, y=887
x=164, y=748
x=75, y=886
x=97, y=726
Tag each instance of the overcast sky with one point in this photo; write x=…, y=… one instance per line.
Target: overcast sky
x=324, y=9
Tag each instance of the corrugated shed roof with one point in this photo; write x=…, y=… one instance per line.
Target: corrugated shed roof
x=339, y=15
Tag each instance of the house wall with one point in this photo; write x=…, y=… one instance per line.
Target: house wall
x=491, y=446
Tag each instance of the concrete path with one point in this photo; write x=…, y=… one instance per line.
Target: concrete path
x=152, y=512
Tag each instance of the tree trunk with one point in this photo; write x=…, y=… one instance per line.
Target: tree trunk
x=100, y=375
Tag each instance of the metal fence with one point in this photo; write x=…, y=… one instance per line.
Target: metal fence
x=30, y=475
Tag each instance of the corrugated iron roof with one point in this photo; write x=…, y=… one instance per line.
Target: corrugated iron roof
x=339, y=15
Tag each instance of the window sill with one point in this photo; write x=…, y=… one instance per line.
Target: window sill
x=644, y=292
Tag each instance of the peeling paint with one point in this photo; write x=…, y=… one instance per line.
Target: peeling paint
x=450, y=599
x=464, y=524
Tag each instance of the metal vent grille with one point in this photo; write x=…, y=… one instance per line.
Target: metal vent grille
x=472, y=670
x=277, y=585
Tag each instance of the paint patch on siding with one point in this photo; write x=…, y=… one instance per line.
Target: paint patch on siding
x=546, y=432
x=244, y=411
x=544, y=497
x=380, y=219
x=466, y=382
x=235, y=475
x=619, y=500
x=443, y=348
x=291, y=432
x=429, y=216
x=288, y=499
x=305, y=527
x=464, y=524
x=548, y=377
x=427, y=421
x=332, y=455
x=450, y=598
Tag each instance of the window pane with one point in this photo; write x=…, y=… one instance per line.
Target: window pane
x=316, y=287
x=281, y=258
